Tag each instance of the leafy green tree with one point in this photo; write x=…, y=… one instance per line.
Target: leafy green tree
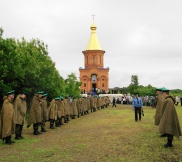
x=134, y=80
x=1, y=32
x=124, y=90
x=27, y=66
x=72, y=86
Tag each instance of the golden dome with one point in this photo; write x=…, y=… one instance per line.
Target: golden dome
x=93, y=43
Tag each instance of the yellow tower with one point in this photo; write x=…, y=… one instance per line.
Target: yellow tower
x=94, y=76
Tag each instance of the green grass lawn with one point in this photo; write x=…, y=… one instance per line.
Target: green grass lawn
x=107, y=135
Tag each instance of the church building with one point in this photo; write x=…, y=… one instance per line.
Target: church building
x=94, y=76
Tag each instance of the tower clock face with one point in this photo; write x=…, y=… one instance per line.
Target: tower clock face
x=94, y=78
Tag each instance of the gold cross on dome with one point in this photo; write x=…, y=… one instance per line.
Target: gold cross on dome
x=93, y=17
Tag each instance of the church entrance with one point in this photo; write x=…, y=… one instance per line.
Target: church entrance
x=94, y=88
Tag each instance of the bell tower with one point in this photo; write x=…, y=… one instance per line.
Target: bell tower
x=94, y=76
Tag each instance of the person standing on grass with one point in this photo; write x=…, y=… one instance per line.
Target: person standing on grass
x=52, y=112
x=169, y=123
x=7, y=123
x=159, y=105
x=20, y=108
x=35, y=115
x=62, y=108
x=114, y=102
x=44, y=112
x=74, y=108
x=137, y=105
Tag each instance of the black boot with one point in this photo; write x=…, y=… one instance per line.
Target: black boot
x=169, y=141
x=52, y=124
x=35, y=127
x=57, y=124
x=65, y=120
x=17, y=132
x=17, y=137
x=7, y=140
x=10, y=139
x=60, y=122
x=21, y=128
x=52, y=127
x=35, y=132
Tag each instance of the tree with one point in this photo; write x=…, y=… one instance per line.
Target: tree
x=1, y=32
x=27, y=66
x=72, y=86
x=134, y=80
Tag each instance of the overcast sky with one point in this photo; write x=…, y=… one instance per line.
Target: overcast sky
x=140, y=37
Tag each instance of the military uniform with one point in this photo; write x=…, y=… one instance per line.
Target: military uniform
x=159, y=105
x=62, y=109
x=92, y=103
x=82, y=106
x=74, y=111
x=67, y=110
x=169, y=123
x=52, y=112
x=35, y=114
x=20, y=107
x=44, y=112
x=88, y=104
x=79, y=102
x=7, y=122
x=58, y=122
x=95, y=103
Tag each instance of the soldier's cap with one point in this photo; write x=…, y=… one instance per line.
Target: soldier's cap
x=57, y=98
x=10, y=92
x=25, y=93
x=158, y=89
x=40, y=92
x=164, y=89
x=44, y=95
x=61, y=97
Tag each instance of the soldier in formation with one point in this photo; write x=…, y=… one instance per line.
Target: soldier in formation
x=20, y=108
x=44, y=112
x=7, y=122
x=53, y=112
x=35, y=115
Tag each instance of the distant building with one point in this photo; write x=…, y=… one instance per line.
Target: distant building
x=94, y=76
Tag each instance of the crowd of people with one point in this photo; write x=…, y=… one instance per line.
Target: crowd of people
x=60, y=111
x=165, y=117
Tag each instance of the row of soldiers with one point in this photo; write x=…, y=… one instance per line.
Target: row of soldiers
x=58, y=112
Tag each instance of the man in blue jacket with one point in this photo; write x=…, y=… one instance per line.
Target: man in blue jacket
x=137, y=105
